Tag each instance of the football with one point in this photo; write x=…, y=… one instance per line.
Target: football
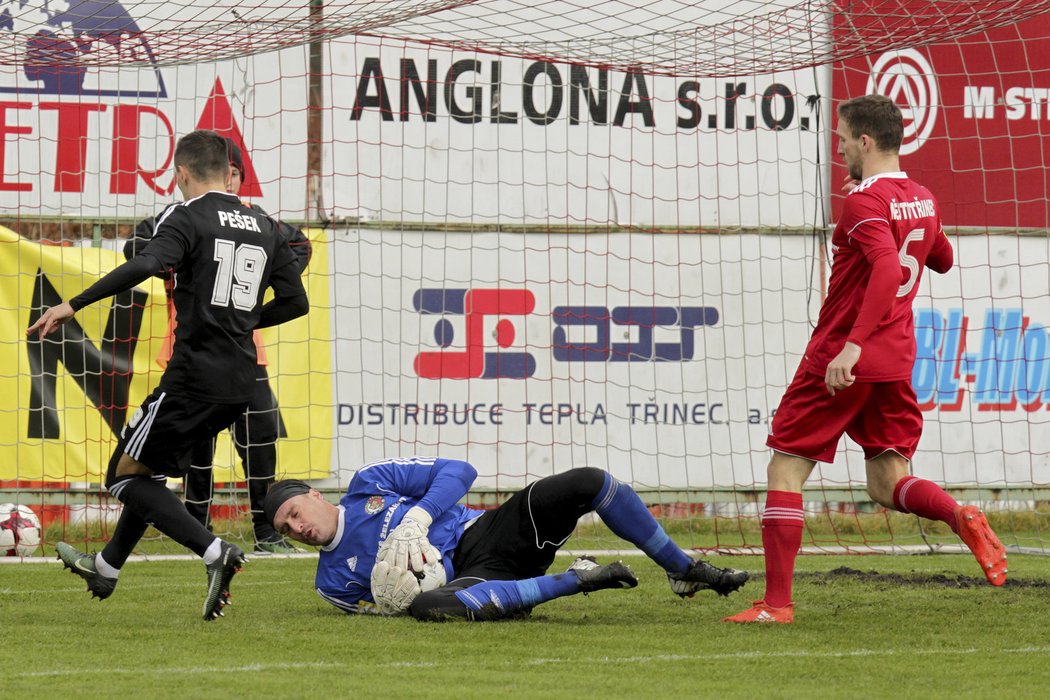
x=19, y=531
x=432, y=576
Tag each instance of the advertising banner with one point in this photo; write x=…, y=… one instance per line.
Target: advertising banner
x=433, y=134
x=977, y=120
x=84, y=135
x=67, y=396
x=660, y=358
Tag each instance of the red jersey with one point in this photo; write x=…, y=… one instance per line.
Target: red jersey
x=890, y=229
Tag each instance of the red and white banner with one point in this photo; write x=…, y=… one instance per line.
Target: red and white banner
x=976, y=118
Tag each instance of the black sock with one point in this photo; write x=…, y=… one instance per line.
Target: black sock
x=260, y=463
x=130, y=529
x=153, y=502
x=198, y=493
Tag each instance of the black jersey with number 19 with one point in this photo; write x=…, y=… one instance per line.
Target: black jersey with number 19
x=224, y=256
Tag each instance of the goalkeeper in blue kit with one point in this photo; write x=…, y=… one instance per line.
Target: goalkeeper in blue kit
x=399, y=542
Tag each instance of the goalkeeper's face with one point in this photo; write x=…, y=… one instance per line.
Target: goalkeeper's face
x=307, y=518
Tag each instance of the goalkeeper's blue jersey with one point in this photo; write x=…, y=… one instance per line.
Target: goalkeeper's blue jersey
x=377, y=499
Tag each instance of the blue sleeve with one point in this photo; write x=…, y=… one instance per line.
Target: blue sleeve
x=438, y=483
x=348, y=602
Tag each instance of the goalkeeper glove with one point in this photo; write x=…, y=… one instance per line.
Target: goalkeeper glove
x=407, y=546
x=393, y=588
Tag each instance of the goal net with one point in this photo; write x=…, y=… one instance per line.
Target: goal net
x=545, y=235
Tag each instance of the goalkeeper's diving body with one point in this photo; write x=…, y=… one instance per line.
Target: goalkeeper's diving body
x=402, y=515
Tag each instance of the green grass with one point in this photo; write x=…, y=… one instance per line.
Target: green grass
x=855, y=636
x=876, y=528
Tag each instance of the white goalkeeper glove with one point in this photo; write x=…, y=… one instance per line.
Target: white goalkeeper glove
x=393, y=588
x=407, y=546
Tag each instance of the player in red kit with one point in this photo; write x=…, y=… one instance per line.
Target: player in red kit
x=855, y=376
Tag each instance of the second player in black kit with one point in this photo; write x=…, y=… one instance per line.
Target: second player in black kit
x=222, y=257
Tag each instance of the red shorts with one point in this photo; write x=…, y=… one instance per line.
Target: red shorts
x=878, y=416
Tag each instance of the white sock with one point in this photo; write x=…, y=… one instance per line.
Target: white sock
x=211, y=554
x=104, y=567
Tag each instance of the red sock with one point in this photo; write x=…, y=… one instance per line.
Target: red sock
x=925, y=499
x=782, y=538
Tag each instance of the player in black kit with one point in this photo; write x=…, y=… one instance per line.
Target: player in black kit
x=256, y=431
x=223, y=257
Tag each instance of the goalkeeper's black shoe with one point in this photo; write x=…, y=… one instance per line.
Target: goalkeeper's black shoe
x=220, y=573
x=595, y=577
x=83, y=565
x=701, y=576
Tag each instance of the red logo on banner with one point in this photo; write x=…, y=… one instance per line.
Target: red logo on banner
x=975, y=111
x=906, y=77
x=218, y=117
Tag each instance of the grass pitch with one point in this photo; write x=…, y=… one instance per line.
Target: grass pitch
x=866, y=626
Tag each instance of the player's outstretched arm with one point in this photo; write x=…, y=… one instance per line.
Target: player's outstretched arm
x=115, y=281
x=51, y=319
x=438, y=483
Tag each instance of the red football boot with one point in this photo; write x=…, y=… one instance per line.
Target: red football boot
x=987, y=549
x=764, y=613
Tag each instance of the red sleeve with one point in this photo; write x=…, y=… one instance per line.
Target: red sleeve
x=866, y=218
x=879, y=296
x=871, y=234
x=941, y=257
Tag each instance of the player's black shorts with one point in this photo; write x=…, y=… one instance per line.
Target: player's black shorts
x=516, y=541
x=161, y=433
x=258, y=426
x=521, y=538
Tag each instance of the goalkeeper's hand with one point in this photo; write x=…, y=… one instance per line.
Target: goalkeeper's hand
x=393, y=588
x=407, y=546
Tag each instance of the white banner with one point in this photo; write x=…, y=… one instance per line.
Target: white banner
x=529, y=355
x=80, y=140
x=430, y=134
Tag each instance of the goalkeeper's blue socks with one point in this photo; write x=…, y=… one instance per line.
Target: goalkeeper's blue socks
x=495, y=599
x=620, y=508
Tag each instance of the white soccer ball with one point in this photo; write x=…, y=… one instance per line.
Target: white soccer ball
x=432, y=576
x=19, y=531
